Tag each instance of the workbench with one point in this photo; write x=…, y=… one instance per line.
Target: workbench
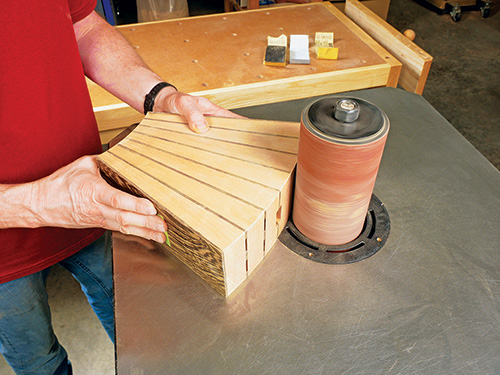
x=428, y=302
x=221, y=56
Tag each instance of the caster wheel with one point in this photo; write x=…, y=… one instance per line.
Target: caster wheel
x=485, y=10
x=456, y=13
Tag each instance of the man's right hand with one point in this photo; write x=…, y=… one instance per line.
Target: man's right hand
x=76, y=196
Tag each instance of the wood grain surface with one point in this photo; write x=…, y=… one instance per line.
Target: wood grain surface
x=221, y=57
x=416, y=62
x=225, y=195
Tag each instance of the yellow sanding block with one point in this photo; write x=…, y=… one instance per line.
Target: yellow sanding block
x=324, y=46
x=276, y=51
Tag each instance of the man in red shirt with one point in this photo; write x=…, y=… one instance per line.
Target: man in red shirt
x=54, y=205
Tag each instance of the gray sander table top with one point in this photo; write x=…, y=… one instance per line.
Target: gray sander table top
x=427, y=303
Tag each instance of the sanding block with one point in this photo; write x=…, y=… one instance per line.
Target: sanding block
x=299, y=49
x=276, y=51
x=324, y=46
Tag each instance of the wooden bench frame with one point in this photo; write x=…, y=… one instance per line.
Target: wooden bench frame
x=416, y=62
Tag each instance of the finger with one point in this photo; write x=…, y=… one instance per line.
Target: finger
x=144, y=233
x=194, y=117
x=197, y=122
x=127, y=218
x=187, y=106
x=211, y=109
x=146, y=226
x=112, y=197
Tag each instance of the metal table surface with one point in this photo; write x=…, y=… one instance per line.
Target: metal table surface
x=427, y=303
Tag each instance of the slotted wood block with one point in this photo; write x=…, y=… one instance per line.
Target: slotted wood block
x=225, y=194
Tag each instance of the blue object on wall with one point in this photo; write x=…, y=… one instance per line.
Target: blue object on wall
x=105, y=8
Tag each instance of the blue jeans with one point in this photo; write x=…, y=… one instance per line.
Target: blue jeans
x=27, y=339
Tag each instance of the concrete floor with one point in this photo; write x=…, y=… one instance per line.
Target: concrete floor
x=464, y=80
x=463, y=85
x=77, y=328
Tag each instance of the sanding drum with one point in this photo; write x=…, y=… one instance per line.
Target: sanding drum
x=340, y=148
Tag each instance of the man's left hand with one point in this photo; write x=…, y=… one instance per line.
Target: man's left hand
x=193, y=108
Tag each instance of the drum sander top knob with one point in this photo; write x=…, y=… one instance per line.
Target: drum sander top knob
x=344, y=119
x=346, y=110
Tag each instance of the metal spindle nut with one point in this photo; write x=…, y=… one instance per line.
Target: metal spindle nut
x=346, y=110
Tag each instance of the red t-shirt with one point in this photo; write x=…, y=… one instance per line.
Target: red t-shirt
x=46, y=120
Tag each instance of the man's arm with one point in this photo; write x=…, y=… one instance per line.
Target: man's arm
x=110, y=61
x=76, y=196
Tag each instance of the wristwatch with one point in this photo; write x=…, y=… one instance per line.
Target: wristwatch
x=149, y=100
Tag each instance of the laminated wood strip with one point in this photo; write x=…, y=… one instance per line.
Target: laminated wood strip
x=213, y=170
x=257, y=174
x=267, y=127
x=263, y=141
x=264, y=158
x=255, y=244
x=213, y=227
x=236, y=187
x=225, y=194
x=237, y=212
x=192, y=248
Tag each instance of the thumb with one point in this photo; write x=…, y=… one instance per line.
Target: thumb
x=196, y=121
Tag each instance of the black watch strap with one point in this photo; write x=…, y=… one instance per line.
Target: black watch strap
x=149, y=100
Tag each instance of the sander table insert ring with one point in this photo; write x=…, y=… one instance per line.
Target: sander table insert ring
x=373, y=236
x=340, y=148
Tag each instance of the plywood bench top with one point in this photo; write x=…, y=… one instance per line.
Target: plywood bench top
x=221, y=57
